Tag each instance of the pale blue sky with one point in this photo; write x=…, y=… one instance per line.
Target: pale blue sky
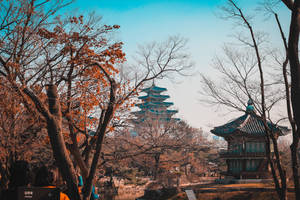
x=145, y=21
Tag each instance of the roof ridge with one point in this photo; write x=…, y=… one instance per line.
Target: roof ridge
x=245, y=121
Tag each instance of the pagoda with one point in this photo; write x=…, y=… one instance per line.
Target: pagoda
x=153, y=106
x=246, y=150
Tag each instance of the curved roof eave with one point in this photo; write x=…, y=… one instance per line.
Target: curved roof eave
x=229, y=127
x=249, y=125
x=154, y=96
x=154, y=89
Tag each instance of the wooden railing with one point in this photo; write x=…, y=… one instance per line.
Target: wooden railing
x=226, y=154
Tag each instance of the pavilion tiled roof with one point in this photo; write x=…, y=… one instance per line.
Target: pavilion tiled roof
x=249, y=124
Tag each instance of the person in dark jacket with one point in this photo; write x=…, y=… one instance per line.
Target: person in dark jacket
x=20, y=176
x=46, y=178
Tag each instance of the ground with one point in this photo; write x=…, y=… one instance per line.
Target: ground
x=250, y=191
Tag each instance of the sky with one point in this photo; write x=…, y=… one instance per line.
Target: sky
x=145, y=21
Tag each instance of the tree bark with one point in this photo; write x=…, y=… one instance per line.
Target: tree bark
x=156, y=158
x=4, y=179
x=293, y=43
x=61, y=155
x=76, y=153
x=100, y=133
x=273, y=171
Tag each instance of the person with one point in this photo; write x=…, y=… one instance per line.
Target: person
x=80, y=182
x=94, y=196
x=46, y=178
x=20, y=176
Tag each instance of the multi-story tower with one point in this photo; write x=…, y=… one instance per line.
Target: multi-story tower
x=154, y=107
x=246, y=138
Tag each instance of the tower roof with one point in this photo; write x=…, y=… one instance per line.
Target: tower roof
x=154, y=88
x=249, y=124
x=157, y=112
x=158, y=97
x=146, y=105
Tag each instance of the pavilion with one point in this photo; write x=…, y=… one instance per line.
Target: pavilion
x=246, y=150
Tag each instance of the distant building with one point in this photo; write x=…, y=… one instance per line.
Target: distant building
x=246, y=137
x=154, y=107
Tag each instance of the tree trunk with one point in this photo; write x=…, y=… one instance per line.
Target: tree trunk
x=75, y=151
x=156, y=158
x=273, y=170
x=295, y=87
x=3, y=179
x=294, y=157
x=61, y=155
x=101, y=130
x=281, y=170
x=90, y=178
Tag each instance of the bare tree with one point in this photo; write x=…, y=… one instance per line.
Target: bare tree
x=242, y=83
x=294, y=93
x=290, y=76
x=159, y=148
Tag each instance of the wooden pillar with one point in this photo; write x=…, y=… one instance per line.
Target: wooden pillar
x=227, y=163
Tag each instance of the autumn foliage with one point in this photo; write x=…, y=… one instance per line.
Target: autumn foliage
x=66, y=74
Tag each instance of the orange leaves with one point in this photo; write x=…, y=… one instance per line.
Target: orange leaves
x=113, y=55
x=47, y=139
x=110, y=129
x=43, y=32
x=80, y=138
x=80, y=19
x=106, y=52
x=81, y=44
x=108, y=28
x=13, y=65
x=58, y=29
x=73, y=20
x=76, y=20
